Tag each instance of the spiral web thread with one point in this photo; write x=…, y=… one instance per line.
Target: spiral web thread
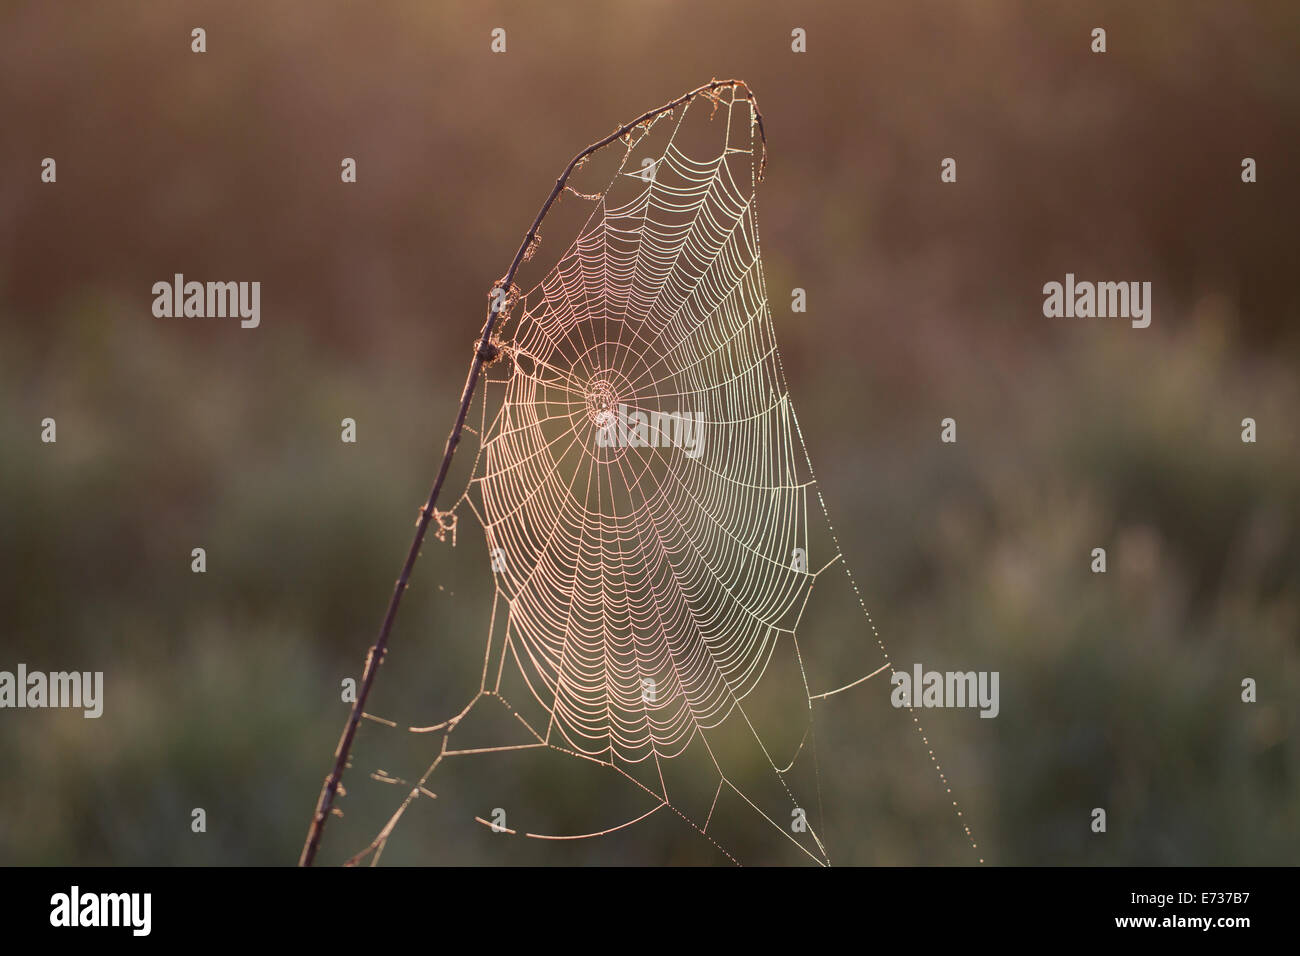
x=645, y=584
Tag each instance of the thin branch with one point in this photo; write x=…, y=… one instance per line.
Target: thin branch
x=484, y=352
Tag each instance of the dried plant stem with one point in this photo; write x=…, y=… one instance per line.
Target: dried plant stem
x=484, y=353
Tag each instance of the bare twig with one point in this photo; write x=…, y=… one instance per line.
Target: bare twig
x=484, y=352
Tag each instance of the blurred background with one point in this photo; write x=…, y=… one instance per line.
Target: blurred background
x=1119, y=691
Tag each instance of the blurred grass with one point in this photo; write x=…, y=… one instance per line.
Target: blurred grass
x=1119, y=690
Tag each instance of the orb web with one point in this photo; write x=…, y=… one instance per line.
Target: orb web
x=644, y=488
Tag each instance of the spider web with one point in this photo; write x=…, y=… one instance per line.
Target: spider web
x=654, y=527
